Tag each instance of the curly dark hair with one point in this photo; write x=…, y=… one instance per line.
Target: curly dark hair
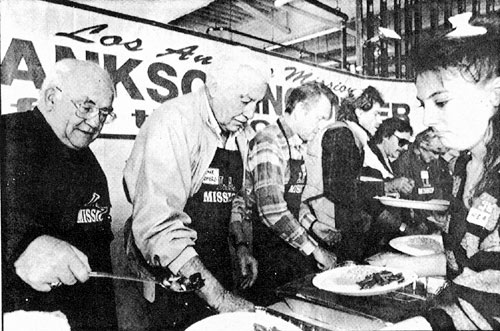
x=364, y=101
x=477, y=58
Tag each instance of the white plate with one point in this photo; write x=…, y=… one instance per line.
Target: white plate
x=242, y=321
x=369, y=179
x=418, y=245
x=343, y=280
x=435, y=204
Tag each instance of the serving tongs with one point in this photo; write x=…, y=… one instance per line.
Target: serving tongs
x=173, y=283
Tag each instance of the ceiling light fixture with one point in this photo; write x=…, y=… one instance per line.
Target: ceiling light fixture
x=388, y=33
x=384, y=34
x=305, y=38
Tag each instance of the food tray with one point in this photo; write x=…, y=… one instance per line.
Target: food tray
x=303, y=325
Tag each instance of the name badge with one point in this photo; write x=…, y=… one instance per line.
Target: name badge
x=211, y=177
x=426, y=190
x=424, y=174
x=484, y=212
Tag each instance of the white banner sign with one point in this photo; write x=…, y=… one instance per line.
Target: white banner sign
x=150, y=63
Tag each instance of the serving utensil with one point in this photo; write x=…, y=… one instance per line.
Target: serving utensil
x=174, y=283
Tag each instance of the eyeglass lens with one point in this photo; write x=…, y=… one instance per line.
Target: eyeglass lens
x=402, y=142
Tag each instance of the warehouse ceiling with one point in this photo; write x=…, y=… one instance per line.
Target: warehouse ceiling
x=309, y=32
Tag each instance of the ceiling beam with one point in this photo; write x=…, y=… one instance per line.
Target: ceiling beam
x=258, y=14
x=209, y=18
x=305, y=38
x=188, y=22
x=225, y=15
x=334, y=11
x=305, y=13
x=269, y=5
x=229, y=8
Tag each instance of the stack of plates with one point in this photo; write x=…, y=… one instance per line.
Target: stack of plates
x=435, y=204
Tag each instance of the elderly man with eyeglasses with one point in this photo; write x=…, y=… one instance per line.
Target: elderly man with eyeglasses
x=423, y=163
x=56, y=223
x=186, y=166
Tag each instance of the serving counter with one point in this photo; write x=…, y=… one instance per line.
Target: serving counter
x=314, y=309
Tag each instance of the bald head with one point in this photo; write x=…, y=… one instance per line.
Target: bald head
x=227, y=64
x=72, y=87
x=236, y=82
x=73, y=73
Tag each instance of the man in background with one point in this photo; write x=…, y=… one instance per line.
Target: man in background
x=423, y=163
x=275, y=178
x=389, y=141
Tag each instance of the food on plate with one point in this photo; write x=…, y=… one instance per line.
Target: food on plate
x=425, y=243
x=259, y=327
x=381, y=278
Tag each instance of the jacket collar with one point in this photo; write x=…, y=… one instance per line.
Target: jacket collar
x=380, y=156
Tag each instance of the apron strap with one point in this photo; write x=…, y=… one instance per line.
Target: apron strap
x=287, y=185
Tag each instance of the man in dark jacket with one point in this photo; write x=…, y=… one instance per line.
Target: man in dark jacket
x=56, y=225
x=423, y=163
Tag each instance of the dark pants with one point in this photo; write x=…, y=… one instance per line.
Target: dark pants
x=279, y=263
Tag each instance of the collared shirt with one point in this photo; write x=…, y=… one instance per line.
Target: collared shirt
x=267, y=173
x=167, y=165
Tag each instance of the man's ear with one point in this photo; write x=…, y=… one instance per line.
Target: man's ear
x=496, y=92
x=298, y=109
x=358, y=112
x=49, y=98
x=212, y=87
x=422, y=145
x=387, y=138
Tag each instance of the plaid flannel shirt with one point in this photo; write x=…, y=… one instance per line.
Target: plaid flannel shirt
x=267, y=173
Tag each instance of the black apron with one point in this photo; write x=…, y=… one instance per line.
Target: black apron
x=279, y=262
x=210, y=211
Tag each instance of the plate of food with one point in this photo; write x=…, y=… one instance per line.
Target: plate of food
x=243, y=321
x=363, y=280
x=434, y=204
x=418, y=245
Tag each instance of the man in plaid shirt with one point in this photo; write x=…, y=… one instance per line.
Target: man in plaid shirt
x=274, y=181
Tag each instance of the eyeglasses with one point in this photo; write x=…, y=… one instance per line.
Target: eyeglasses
x=88, y=110
x=402, y=142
